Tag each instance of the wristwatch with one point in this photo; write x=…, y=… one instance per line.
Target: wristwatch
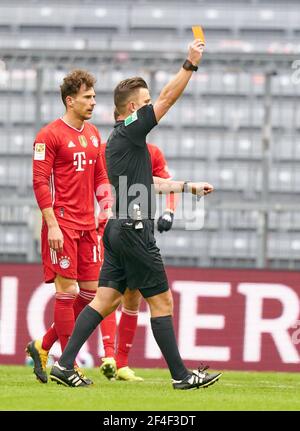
x=185, y=187
x=188, y=65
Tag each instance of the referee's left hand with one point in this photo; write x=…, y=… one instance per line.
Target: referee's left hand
x=165, y=221
x=200, y=189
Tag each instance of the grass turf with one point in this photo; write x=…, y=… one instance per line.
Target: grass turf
x=19, y=390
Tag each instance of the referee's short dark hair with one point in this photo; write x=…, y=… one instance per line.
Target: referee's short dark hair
x=116, y=114
x=124, y=91
x=74, y=80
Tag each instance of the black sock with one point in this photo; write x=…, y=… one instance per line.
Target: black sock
x=163, y=331
x=85, y=324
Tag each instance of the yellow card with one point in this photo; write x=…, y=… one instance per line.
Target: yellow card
x=198, y=33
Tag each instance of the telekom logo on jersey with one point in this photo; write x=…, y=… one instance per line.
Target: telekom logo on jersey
x=79, y=160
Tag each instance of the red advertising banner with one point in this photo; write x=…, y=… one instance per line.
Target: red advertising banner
x=229, y=319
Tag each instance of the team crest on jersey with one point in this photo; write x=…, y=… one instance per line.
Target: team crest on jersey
x=82, y=141
x=95, y=141
x=64, y=262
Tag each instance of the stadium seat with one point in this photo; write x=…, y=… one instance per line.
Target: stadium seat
x=283, y=245
x=213, y=133
x=235, y=245
x=14, y=240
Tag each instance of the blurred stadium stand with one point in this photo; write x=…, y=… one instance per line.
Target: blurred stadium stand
x=214, y=133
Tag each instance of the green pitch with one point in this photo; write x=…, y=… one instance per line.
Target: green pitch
x=235, y=391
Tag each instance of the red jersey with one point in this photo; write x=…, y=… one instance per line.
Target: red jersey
x=67, y=170
x=158, y=161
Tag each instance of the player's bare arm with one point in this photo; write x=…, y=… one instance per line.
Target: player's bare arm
x=55, y=236
x=173, y=90
x=163, y=186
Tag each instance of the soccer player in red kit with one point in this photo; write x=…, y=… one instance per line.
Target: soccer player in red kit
x=68, y=173
x=115, y=362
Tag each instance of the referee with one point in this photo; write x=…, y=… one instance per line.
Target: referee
x=131, y=257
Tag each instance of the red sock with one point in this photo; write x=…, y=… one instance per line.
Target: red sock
x=127, y=329
x=49, y=338
x=64, y=316
x=83, y=298
x=108, y=330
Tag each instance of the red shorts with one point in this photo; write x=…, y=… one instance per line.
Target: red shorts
x=81, y=258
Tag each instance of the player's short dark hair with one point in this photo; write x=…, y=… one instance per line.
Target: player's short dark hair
x=73, y=81
x=125, y=89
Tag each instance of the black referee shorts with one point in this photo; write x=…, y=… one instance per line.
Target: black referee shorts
x=132, y=258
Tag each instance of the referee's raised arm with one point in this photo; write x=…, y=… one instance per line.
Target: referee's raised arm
x=175, y=87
